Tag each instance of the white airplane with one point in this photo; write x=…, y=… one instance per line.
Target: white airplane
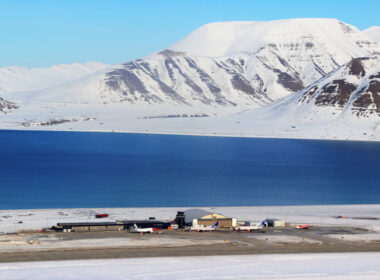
x=203, y=228
x=250, y=228
x=144, y=230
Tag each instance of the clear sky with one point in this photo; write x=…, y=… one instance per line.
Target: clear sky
x=40, y=33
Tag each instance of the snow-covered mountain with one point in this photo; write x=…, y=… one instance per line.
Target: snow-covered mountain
x=351, y=90
x=373, y=33
x=311, y=48
x=290, y=35
x=235, y=64
x=283, y=74
x=167, y=78
x=15, y=78
x=345, y=104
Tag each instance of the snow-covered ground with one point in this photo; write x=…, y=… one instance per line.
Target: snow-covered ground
x=367, y=216
x=366, y=237
x=348, y=266
x=45, y=243
x=285, y=239
x=262, y=122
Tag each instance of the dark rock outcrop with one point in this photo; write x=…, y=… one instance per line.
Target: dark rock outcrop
x=336, y=93
x=356, y=68
x=6, y=106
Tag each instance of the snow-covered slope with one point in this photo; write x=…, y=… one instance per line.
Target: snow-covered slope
x=344, y=104
x=373, y=33
x=353, y=89
x=171, y=78
x=16, y=78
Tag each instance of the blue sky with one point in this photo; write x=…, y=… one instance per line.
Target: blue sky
x=42, y=33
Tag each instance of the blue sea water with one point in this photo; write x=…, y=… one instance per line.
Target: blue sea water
x=86, y=169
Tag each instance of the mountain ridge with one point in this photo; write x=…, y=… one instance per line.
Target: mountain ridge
x=276, y=69
x=16, y=78
x=249, y=36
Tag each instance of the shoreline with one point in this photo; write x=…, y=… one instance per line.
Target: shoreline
x=190, y=134
x=174, y=208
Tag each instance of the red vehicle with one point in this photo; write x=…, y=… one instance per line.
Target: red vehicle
x=303, y=226
x=101, y=216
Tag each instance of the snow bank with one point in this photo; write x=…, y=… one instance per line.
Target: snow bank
x=289, y=266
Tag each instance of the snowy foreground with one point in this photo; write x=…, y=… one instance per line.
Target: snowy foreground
x=288, y=266
x=366, y=216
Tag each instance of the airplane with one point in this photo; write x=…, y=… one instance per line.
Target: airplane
x=143, y=230
x=252, y=227
x=303, y=226
x=204, y=228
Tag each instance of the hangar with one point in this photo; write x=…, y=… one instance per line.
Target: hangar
x=88, y=226
x=202, y=217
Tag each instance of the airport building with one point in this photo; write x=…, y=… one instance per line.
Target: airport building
x=88, y=226
x=128, y=224
x=109, y=226
x=199, y=217
x=274, y=223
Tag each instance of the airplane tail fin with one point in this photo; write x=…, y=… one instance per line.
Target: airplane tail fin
x=216, y=224
x=135, y=226
x=262, y=223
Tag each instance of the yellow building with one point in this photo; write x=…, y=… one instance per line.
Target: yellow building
x=204, y=218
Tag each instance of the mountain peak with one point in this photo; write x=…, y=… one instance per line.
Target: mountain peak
x=228, y=38
x=170, y=53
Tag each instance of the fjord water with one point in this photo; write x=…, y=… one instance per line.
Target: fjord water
x=86, y=169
